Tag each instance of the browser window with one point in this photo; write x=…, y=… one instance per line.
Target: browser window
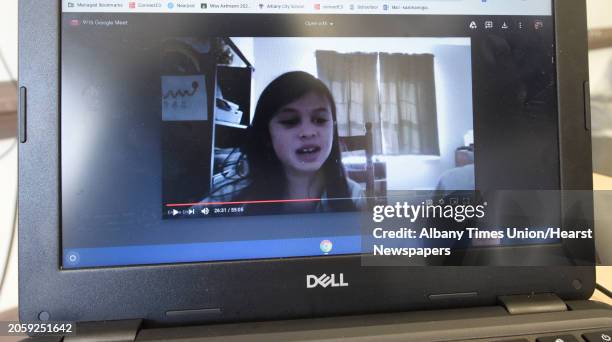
x=225, y=130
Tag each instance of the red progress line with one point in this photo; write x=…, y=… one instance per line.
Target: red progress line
x=243, y=202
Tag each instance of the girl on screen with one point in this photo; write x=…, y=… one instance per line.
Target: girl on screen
x=292, y=152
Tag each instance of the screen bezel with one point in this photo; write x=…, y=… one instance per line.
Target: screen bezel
x=270, y=288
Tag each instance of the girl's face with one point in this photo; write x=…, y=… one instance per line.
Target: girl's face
x=302, y=133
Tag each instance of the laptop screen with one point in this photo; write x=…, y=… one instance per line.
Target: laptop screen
x=199, y=131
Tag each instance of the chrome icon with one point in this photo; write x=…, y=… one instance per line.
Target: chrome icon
x=326, y=246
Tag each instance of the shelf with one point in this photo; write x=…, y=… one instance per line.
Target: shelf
x=229, y=124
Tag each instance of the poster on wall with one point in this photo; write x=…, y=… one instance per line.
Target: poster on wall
x=184, y=98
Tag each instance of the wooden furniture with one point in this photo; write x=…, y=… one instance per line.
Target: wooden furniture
x=604, y=277
x=373, y=174
x=604, y=273
x=8, y=97
x=600, y=39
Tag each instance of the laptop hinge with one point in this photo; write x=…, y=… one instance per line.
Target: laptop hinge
x=533, y=303
x=117, y=331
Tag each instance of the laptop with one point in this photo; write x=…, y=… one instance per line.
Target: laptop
x=306, y=170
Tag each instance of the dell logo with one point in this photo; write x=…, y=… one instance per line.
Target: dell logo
x=325, y=280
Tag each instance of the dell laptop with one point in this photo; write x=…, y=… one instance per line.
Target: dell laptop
x=306, y=170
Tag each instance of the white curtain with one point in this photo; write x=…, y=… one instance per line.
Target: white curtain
x=408, y=104
x=352, y=81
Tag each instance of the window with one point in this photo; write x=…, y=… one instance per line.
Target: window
x=395, y=92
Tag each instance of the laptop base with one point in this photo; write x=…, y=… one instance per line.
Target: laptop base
x=580, y=320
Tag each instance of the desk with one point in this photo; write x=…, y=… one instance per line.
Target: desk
x=604, y=273
x=601, y=182
x=604, y=278
x=10, y=316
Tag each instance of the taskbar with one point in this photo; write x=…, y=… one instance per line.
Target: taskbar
x=74, y=258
